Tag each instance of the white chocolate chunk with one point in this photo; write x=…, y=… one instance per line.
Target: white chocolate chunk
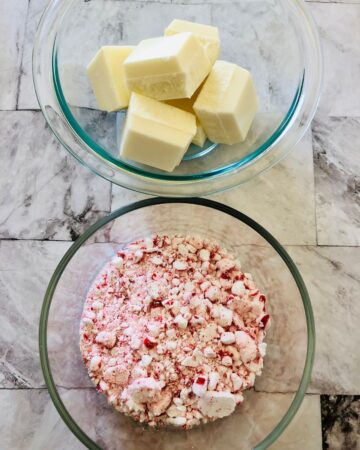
x=168, y=67
x=200, y=136
x=227, y=103
x=107, y=77
x=207, y=35
x=156, y=134
x=186, y=104
x=217, y=404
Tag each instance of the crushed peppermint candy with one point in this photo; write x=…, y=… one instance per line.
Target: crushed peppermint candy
x=172, y=331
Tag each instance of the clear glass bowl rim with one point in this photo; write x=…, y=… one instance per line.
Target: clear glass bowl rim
x=291, y=130
x=310, y=353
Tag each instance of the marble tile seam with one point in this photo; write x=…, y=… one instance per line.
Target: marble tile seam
x=34, y=240
x=43, y=388
x=22, y=110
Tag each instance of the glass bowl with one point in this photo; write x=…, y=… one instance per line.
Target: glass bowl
x=265, y=413
x=275, y=39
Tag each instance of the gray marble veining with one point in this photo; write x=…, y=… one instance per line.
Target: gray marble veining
x=337, y=180
x=282, y=200
x=26, y=94
x=48, y=194
x=38, y=424
x=332, y=276
x=340, y=35
x=156, y=19
x=12, y=27
x=39, y=427
x=25, y=270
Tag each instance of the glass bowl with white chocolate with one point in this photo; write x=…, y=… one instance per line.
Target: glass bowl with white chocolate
x=188, y=339
x=177, y=98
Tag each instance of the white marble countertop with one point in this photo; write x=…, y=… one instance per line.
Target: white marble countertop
x=310, y=202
